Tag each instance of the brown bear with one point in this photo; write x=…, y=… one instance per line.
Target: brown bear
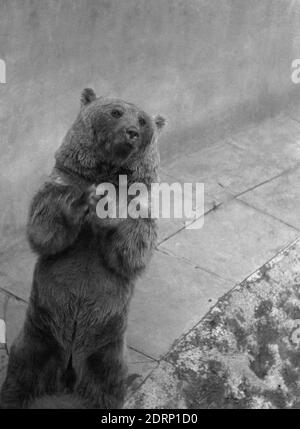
x=70, y=352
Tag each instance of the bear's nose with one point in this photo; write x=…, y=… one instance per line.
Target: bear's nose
x=132, y=133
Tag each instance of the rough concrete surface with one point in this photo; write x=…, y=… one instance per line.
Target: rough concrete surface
x=244, y=354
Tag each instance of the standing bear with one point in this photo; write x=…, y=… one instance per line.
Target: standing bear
x=70, y=352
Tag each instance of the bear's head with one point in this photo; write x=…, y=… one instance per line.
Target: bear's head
x=110, y=134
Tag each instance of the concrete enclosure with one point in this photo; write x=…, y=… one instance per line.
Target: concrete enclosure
x=209, y=66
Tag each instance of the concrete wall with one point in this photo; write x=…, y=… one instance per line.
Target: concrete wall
x=209, y=66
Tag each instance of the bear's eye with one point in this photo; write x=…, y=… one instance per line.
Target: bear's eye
x=142, y=122
x=116, y=113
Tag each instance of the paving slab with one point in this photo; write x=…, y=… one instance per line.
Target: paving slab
x=168, y=301
x=15, y=316
x=276, y=139
x=234, y=241
x=279, y=197
x=225, y=169
x=244, y=354
x=16, y=269
x=139, y=367
x=179, y=171
x=168, y=227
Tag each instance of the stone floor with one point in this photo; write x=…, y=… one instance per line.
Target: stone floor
x=215, y=322
x=244, y=354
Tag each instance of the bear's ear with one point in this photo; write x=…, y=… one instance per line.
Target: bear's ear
x=87, y=96
x=159, y=121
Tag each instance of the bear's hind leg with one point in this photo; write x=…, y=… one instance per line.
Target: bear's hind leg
x=33, y=370
x=102, y=380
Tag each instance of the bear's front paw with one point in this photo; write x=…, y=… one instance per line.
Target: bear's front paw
x=77, y=206
x=102, y=208
x=92, y=198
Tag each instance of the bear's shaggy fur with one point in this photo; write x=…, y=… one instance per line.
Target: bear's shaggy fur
x=72, y=344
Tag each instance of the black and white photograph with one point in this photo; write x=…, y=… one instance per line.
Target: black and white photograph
x=149, y=208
